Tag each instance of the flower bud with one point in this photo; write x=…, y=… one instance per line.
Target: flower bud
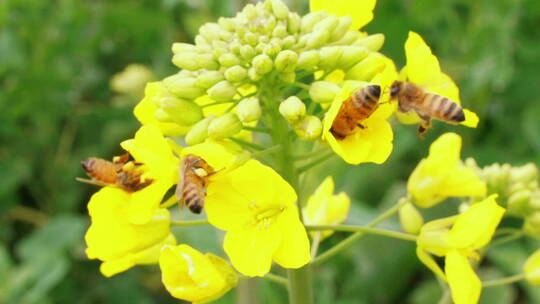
x=531, y=226
x=262, y=64
x=344, y=23
x=179, y=47
x=525, y=173
x=251, y=39
x=250, y=11
x=288, y=77
x=199, y=132
x=518, y=203
x=323, y=91
x=286, y=61
x=308, y=128
x=293, y=23
x=288, y=42
x=186, y=61
x=317, y=39
x=236, y=74
x=410, y=218
x=208, y=78
x=531, y=268
x=200, y=41
x=348, y=38
x=272, y=49
x=309, y=20
x=329, y=56
x=292, y=109
x=228, y=60
x=371, y=42
x=227, y=24
x=280, y=31
x=351, y=56
x=210, y=31
x=183, y=87
x=222, y=91
x=328, y=24
x=280, y=9
x=253, y=75
x=367, y=68
x=181, y=111
x=224, y=126
x=247, y=52
x=248, y=109
x=308, y=60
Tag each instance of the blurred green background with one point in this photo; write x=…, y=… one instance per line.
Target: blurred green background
x=57, y=107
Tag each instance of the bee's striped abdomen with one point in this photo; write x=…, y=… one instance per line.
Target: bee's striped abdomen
x=444, y=109
x=193, y=196
x=100, y=169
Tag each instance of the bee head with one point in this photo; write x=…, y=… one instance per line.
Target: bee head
x=86, y=164
x=375, y=90
x=196, y=208
x=396, y=87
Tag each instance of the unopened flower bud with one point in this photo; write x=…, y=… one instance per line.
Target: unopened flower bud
x=526, y=173
x=292, y=109
x=293, y=23
x=286, y=61
x=210, y=31
x=208, y=78
x=329, y=56
x=317, y=39
x=262, y=64
x=222, y=91
x=328, y=24
x=227, y=23
x=228, y=60
x=531, y=226
x=200, y=41
x=186, y=61
x=251, y=39
x=309, y=20
x=183, y=87
x=253, y=75
x=181, y=111
x=199, y=132
x=344, y=23
x=288, y=77
x=236, y=73
x=280, y=9
x=308, y=60
x=410, y=218
x=348, y=38
x=371, y=42
x=280, y=31
x=179, y=47
x=367, y=68
x=323, y=91
x=288, y=42
x=531, y=268
x=308, y=128
x=247, y=52
x=272, y=49
x=224, y=126
x=518, y=203
x=249, y=109
x=351, y=56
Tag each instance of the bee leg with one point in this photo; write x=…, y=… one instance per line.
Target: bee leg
x=424, y=126
x=361, y=126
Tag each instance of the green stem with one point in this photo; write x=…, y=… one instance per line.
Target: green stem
x=300, y=289
x=511, y=237
x=266, y=151
x=301, y=85
x=355, y=236
x=257, y=129
x=276, y=279
x=504, y=281
x=316, y=162
x=190, y=223
x=246, y=144
x=315, y=244
x=368, y=230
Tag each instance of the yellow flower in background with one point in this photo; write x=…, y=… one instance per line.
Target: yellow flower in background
x=191, y=276
x=159, y=164
x=361, y=12
x=469, y=232
x=146, y=109
x=442, y=174
x=423, y=69
x=326, y=208
x=372, y=143
x=531, y=268
x=118, y=243
x=256, y=207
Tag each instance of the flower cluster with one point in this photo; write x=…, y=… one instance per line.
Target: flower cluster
x=261, y=98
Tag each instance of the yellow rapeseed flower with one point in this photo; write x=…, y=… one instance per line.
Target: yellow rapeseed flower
x=442, y=174
x=361, y=12
x=256, y=207
x=374, y=142
x=159, y=164
x=423, y=69
x=326, y=208
x=531, y=268
x=191, y=276
x=146, y=109
x=458, y=238
x=118, y=243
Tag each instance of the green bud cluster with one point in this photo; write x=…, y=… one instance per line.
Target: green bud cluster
x=518, y=190
x=264, y=46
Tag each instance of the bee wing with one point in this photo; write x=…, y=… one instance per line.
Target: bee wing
x=180, y=185
x=91, y=181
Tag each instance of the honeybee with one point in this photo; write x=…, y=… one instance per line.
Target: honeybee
x=359, y=106
x=412, y=97
x=120, y=172
x=191, y=188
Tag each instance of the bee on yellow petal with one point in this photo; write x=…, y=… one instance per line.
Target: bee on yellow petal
x=191, y=188
x=121, y=172
x=427, y=106
x=359, y=106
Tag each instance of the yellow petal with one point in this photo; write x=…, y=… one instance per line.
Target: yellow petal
x=294, y=249
x=463, y=281
x=475, y=227
x=435, y=242
x=463, y=182
x=422, y=66
x=226, y=209
x=251, y=249
x=430, y=263
x=143, y=203
x=531, y=268
x=471, y=119
x=214, y=153
x=189, y=275
x=361, y=12
x=445, y=87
